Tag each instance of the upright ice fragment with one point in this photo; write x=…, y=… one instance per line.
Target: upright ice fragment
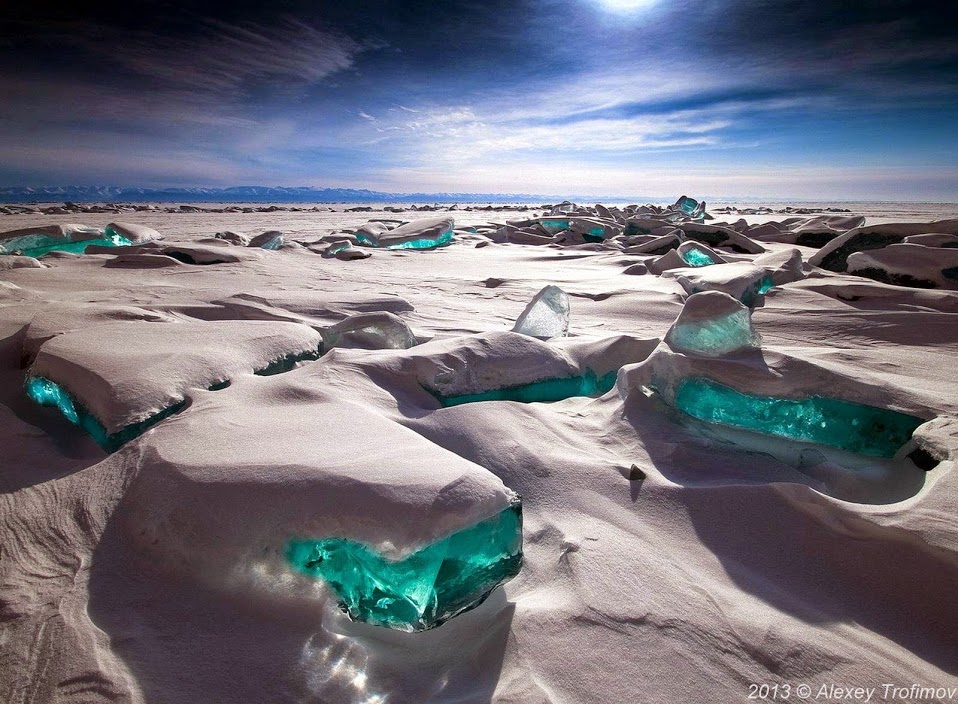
x=547, y=314
x=424, y=589
x=713, y=324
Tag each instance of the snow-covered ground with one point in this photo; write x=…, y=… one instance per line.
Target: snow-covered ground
x=665, y=558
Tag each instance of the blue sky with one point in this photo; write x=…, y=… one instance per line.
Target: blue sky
x=606, y=97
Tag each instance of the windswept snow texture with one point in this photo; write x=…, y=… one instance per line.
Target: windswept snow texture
x=303, y=459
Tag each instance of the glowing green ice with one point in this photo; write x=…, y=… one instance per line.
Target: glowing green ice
x=766, y=285
x=688, y=205
x=714, y=337
x=696, y=257
x=38, y=245
x=544, y=391
x=423, y=589
x=49, y=393
x=424, y=243
x=828, y=421
x=555, y=225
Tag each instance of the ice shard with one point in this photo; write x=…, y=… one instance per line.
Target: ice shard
x=713, y=324
x=421, y=590
x=828, y=421
x=547, y=314
x=697, y=254
x=686, y=205
x=696, y=257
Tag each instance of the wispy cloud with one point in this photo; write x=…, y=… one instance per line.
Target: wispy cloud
x=223, y=57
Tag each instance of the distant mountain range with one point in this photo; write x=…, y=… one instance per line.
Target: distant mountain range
x=251, y=194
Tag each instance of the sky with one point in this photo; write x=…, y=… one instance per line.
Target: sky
x=818, y=100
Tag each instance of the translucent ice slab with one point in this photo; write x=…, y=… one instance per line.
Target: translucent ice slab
x=423, y=589
x=543, y=391
x=547, y=314
x=829, y=421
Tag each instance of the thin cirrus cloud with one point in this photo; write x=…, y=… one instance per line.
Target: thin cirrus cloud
x=223, y=57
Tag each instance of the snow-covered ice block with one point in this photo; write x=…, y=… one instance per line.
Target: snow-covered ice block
x=274, y=490
x=697, y=254
x=784, y=396
x=546, y=315
x=49, y=320
x=933, y=239
x=235, y=238
x=784, y=266
x=713, y=324
x=127, y=374
x=718, y=236
x=834, y=255
x=370, y=331
x=271, y=239
x=657, y=245
x=207, y=254
x=14, y=261
x=42, y=239
x=668, y=261
x=132, y=232
x=741, y=280
x=908, y=265
x=427, y=233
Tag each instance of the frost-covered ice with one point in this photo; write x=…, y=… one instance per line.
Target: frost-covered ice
x=713, y=324
x=699, y=510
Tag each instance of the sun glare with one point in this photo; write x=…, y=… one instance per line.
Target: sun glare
x=625, y=6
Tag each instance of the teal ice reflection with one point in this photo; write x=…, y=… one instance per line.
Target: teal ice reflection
x=425, y=243
x=423, y=589
x=714, y=337
x=544, y=391
x=49, y=393
x=850, y=426
x=696, y=257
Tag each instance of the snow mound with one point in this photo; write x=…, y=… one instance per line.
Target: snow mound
x=221, y=491
x=741, y=280
x=428, y=233
x=719, y=236
x=905, y=264
x=834, y=255
x=126, y=373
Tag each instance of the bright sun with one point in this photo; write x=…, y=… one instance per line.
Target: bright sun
x=625, y=6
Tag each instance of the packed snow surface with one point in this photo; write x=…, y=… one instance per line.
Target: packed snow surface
x=561, y=454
